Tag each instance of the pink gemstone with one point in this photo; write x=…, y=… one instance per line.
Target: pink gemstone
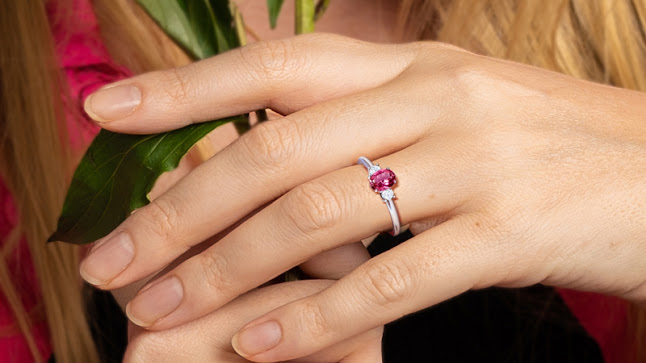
x=382, y=180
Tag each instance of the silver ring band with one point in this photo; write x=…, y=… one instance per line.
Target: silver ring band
x=382, y=181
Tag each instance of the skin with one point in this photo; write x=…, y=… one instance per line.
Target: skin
x=513, y=176
x=209, y=339
x=371, y=20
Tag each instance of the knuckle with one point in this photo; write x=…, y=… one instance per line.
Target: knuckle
x=313, y=321
x=480, y=87
x=162, y=216
x=271, y=144
x=474, y=85
x=269, y=60
x=468, y=77
x=387, y=283
x=215, y=271
x=314, y=207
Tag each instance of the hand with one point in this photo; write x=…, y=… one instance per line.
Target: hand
x=521, y=176
x=208, y=339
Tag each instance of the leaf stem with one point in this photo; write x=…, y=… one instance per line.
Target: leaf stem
x=239, y=24
x=252, y=33
x=304, y=16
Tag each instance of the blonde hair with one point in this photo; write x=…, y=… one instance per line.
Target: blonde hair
x=36, y=162
x=35, y=165
x=602, y=41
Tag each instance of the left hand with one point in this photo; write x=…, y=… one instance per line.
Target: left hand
x=208, y=339
x=522, y=176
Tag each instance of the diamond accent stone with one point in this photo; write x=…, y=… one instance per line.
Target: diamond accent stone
x=387, y=194
x=373, y=169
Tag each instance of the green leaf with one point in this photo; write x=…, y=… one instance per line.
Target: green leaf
x=202, y=27
x=274, y=7
x=118, y=170
x=115, y=176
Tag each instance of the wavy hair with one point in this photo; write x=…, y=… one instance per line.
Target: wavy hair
x=600, y=40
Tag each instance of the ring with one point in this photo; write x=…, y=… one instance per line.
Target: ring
x=382, y=181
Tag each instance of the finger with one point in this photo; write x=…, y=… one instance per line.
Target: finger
x=430, y=268
x=247, y=174
x=317, y=216
x=425, y=224
x=336, y=263
x=209, y=339
x=284, y=75
x=214, y=142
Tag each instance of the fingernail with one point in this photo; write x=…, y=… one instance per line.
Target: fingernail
x=155, y=302
x=257, y=339
x=113, y=103
x=108, y=259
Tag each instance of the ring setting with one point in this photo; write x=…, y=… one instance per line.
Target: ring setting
x=382, y=181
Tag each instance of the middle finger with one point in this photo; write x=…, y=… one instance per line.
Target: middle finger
x=260, y=166
x=332, y=210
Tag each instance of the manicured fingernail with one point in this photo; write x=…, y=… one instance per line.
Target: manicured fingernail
x=155, y=302
x=257, y=339
x=107, y=260
x=113, y=103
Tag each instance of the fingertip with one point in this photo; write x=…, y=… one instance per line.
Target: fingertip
x=88, y=108
x=155, y=301
x=108, y=259
x=256, y=339
x=133, y=318
x=113, y=103
x=87, y=277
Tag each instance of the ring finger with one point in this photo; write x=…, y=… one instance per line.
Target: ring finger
x=259, y=167
x=335, y=209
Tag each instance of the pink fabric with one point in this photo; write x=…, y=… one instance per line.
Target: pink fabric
x=87, y=66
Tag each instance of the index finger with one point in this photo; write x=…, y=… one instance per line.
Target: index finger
x=284, y=75
x=242, y=177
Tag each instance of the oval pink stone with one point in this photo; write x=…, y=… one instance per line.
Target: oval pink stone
x=382, y=180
